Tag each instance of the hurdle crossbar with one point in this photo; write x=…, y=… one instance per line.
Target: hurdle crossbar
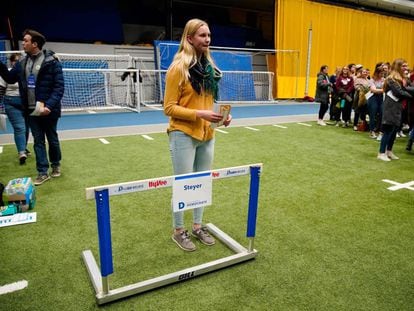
x=100, y=276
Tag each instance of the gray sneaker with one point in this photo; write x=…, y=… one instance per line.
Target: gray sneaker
x=40, y=179
x=55, y=171
x=203, y=236
x=183, y=241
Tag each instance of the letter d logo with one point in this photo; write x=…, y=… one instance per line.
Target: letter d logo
x=181, y=205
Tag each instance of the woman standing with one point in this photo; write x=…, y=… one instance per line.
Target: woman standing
x=375, y=100
x=395, y=93
x=411, y=116
x=362, y=87
x=16, y=113
x=345, y=88
x=191, y=88
x=323, y=90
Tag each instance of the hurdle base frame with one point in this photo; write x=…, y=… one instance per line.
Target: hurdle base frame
x=105, y=295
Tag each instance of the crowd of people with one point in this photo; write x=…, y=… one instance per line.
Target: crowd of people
x=382, y=103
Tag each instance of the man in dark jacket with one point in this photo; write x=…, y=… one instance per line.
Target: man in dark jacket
x=41, y=85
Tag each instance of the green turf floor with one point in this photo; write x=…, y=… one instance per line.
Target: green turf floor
x=330, y=235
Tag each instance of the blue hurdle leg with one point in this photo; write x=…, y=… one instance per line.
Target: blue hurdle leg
x=253, y=200
x=104, y=232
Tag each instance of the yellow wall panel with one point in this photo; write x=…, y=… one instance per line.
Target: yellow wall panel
x=339, y=36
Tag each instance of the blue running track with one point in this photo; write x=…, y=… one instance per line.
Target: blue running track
x=119, y=119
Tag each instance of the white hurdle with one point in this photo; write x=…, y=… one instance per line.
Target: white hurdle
x=99, y=276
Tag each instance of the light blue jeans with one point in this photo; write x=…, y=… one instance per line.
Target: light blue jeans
x=15, y=113
x=189, y=155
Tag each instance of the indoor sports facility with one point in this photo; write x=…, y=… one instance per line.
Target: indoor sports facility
x=305, y=217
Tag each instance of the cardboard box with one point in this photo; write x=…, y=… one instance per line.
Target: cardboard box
x=20, y=191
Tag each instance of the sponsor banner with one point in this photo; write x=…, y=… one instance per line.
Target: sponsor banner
x=230, y=172
x=237, y=171
x=142, y=185
x=163, y=182
x=18, y=219
x=158, y=183
x=192, y=191
x=126, y=188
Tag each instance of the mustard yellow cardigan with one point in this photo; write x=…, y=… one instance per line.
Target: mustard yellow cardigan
x=181, y=103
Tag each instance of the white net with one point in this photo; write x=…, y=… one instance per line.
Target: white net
x=94, y=82
x=98, y=89
x=236, y=87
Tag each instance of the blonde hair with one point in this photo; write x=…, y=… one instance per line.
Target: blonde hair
x=186, y=56
x=396, y=72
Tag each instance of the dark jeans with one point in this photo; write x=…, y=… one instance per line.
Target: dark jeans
x=388, y=138
x=360, y=114
x=375, y=111
x=323, y=108
x=346, y=111
x=45, y=127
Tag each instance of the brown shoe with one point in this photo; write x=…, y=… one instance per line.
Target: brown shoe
x=182, y=239
x=55, y=172
x=203, y=236
x=40, y=179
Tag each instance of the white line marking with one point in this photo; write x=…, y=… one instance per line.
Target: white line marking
x=104, y=141
x=12, y=287
x=251, y=128
x=280, y=126
x=1, y=149
x=305, y=124
x=222, y=131
x=398, y=186
x=147, y=137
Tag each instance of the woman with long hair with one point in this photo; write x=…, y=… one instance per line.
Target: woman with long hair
x=345, y=88
x=362, y=86
x=323, y=91
x=411, y=116
x=395, y=92
x=375, y=100
x=191, y=89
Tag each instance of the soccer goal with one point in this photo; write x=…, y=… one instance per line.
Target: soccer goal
x=98, y=82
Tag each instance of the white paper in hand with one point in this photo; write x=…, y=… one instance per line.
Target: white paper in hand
x=40, y=107
x=224, y=110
